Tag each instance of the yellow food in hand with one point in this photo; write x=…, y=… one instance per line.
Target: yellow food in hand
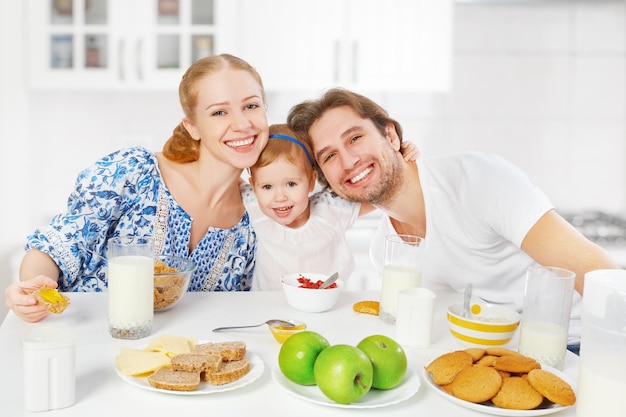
x=53, y=299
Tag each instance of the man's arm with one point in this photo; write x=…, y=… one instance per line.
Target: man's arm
x=552, y=241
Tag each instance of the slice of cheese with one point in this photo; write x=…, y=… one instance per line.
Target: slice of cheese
x=171, y=345
x=138, y=362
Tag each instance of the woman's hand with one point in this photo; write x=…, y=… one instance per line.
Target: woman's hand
x=23, y=304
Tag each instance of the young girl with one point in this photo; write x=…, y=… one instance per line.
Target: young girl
x=297, y=231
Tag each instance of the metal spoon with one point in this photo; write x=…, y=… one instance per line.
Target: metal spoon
x=466, y=300
x=273, y=322
x=329, y=281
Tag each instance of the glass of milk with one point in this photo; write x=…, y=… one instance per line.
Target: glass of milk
x=402, y=269
x=130, y=276
x=546, y=314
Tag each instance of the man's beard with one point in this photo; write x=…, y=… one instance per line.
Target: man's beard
x=385, y=191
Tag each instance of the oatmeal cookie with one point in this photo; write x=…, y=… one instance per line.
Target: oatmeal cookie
x=552, y=387
x=517, y=394
x=476, y=353
x=367, y=307
x=444, y=368
x=500, y=351
x=487, y=360
x=516, y=364
x=476, y=384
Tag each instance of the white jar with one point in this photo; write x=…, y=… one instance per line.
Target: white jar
x=49, y=369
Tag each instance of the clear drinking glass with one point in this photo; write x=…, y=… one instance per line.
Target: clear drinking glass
x=130, y=275
x=402, y=269
x=546, y=314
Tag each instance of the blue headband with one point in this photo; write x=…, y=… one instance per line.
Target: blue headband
x=297, y=142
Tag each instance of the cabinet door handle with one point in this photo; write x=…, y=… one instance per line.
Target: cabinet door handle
x=355, y=61
x=120, y=57
x=337, y=62
x=138, y=60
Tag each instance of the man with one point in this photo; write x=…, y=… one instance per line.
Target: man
x=483, y=220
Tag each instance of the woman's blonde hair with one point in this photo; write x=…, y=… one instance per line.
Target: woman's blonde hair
x=181, y=147
x=294, y=151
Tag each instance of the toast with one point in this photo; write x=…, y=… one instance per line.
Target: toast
x=229, y=372
x=52, y=299
x=169, y=379
x=229, y=351
x=196, y=362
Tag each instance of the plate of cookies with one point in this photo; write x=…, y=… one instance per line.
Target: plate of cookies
x=499, y=381
x=183, y=366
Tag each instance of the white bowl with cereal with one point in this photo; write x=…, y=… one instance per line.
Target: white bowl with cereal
x=172, y=275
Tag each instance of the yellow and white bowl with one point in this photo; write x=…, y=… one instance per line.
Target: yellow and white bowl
x=488, y=325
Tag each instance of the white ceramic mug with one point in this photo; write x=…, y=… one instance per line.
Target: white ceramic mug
x=414, y=319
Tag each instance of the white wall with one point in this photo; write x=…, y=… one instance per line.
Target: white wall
x=541, y=83
x=544, y=86
x=14, y=160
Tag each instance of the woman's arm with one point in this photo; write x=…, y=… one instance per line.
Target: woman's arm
x=36, y=262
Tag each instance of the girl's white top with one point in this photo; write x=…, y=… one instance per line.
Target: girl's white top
x=319, y=246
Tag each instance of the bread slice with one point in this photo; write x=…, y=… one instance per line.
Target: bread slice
x=54, y=301
x=169, y=379
x=229, y=351
x=229, y=372
x=196, y=362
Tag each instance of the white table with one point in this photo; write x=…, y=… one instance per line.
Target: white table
x=101, y=392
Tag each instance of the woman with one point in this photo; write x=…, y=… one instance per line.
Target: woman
x=186, y=197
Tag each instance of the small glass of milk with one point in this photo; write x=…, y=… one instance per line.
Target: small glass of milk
x=546, y=314
x=402, y=269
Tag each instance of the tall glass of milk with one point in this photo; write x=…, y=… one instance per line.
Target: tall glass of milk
x=402, y=269
x=546, y=314
x=602, y=368
x=130, y=276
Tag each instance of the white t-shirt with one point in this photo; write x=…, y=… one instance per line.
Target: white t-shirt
x=319, y=246
x=479, y=208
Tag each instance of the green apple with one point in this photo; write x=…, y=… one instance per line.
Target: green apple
x=343, y=373
x=297, y=356
x=388, y=359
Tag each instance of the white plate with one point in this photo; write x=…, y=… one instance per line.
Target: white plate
x=373, y=399
x=490, y=408
x=256, y=370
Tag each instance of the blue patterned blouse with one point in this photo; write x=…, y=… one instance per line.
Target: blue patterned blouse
x=124, y=194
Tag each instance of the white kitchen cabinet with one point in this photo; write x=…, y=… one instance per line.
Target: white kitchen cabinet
x=380, y=45
x=118, y=44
